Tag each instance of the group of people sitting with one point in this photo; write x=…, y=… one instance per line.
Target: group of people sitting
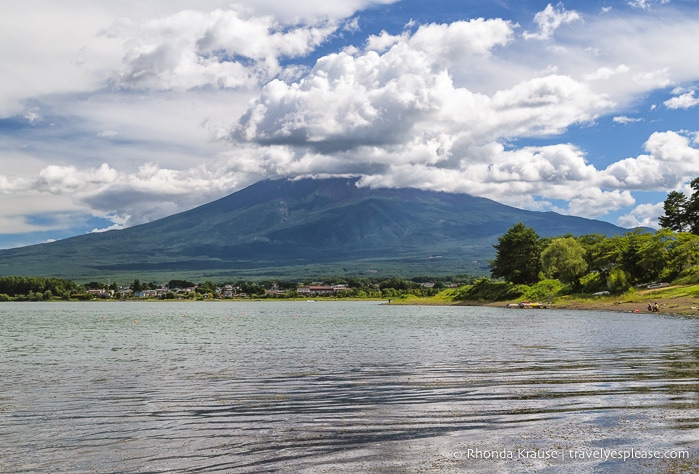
x=653, y=307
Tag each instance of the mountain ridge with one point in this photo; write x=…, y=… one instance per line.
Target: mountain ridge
x=301, y=226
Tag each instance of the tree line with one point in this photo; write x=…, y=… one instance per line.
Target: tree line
x=597, y=262
x=23, y=288
x=536, y=266
x=35, y=288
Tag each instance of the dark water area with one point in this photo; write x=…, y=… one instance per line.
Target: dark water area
x=344, y=387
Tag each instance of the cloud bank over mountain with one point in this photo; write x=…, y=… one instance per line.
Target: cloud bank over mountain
x=130, y=112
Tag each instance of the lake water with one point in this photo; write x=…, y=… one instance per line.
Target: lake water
x=344, y=387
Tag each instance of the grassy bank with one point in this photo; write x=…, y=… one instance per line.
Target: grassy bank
x=677, y=299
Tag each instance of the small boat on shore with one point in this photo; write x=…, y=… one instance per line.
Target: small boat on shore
x=527, y=305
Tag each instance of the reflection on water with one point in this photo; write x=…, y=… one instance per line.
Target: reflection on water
x=343, y=387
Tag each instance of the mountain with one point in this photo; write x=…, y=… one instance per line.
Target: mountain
x=283, y=228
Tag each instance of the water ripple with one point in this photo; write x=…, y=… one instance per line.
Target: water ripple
x=346, y=387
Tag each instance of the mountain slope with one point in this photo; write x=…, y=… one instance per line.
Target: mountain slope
x=281, y=228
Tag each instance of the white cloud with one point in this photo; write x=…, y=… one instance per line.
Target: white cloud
x=383, y=41
x=32, y=115
x=606, y=73
x=550, y=19
x=644, y=215
x=670, y=162
x=646, y=4
x=223, y=48
x=684, y=101
x=439, y=106
x=624, y=120
x=65, y=179
x=69, y=39
x=380, y=99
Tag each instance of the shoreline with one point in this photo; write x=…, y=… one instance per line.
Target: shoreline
x=681, y=305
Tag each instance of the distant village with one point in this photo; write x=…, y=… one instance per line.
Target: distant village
x=316, y=289
x=23, y=288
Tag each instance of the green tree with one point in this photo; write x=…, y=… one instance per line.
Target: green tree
x=136, y=285
x=675, y=213
x=629, y=258
x=692, y=208
x=208, y=287
x=517, y=258
x=683, y=252
x=618, y=281
x=654, y=253
x=180, y=284
x=682, y=214
x=564, y=259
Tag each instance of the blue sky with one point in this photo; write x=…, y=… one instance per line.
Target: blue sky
x=114, y=114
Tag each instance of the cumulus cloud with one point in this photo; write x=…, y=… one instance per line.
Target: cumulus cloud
x=394, y=115
x=439, y=106
x=223, y=48
x=670, y=161
x=126, y=198
x=64, y=179
x=373, y=99
x=550, y=19
x=644, y=215
x=684, y=101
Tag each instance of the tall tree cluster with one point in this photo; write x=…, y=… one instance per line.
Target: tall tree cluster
x=682, y=214
x=518, y=254
x=614, y=263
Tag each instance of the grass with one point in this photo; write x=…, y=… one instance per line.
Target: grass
x=676, y=299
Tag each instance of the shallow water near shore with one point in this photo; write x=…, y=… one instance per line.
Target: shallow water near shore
x=300, y=386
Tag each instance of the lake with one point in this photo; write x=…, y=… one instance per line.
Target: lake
x=297, y=386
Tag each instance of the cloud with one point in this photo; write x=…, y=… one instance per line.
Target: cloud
x=223, y=48
x=371, y=99
x=684, y=101
x=644, y=215
x=550, y=19
x=624, y=120
x=126, y=200
x=56, y=179
x=670, y=161
x=606, y=73
x=646, y=4
x=87, y=43
x=32, y=115
x=186, y=105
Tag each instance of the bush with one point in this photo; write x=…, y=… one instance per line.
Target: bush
x=688, y=276
x=593, y=282
x=543, y=290
x=488, y=290
x=618, y=281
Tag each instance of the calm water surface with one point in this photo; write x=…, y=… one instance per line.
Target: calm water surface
x=343, y=387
